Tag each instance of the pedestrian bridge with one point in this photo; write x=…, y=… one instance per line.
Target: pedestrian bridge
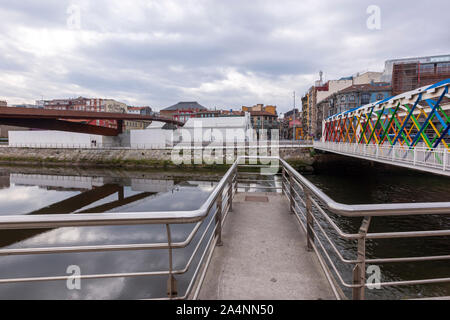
x=409, y=130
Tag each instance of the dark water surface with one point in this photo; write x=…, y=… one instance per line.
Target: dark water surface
x=34, y=194
x=365, y=185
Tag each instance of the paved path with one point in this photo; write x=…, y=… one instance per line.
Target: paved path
x=264, y=255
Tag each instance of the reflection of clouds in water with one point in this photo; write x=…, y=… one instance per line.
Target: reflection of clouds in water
x=24, y=199
x=181, y=198
x=97, y=235
x=32, y=198
x=108, y=290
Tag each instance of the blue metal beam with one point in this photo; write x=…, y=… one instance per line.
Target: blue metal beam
x=429, y=117
x=419, y=98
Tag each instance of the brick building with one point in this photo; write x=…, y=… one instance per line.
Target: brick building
x=183, y=111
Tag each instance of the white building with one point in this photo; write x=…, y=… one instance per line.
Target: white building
x=217, y=129
x=56, y=139
x=154, y=136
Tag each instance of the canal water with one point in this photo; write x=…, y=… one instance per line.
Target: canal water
x=360, y=183
x=27, y=191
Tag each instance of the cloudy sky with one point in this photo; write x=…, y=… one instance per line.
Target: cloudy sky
x=222, y=53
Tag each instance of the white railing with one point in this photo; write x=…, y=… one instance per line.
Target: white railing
x=418, y=157
x=167, y=145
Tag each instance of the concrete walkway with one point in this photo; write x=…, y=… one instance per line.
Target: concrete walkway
x=264, y=255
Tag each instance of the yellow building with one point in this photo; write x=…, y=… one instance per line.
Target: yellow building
x=261, y=108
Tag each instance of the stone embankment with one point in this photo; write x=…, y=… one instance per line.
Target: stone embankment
x=301, y=158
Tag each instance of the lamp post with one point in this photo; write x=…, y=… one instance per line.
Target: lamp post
x=294, y=133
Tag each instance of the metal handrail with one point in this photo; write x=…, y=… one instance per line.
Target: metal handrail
x=108, y=219
x=362, y=210
x=221, y=197
x=303, y=206
x=423, y=158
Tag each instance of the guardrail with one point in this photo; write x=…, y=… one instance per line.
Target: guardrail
x=312, y=208
x=310, y=205
x=418, y=157
x=212, y=214
x=167, y=146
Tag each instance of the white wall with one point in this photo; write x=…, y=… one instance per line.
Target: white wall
x=214, y=134
x=152, y=138
x=56, y=181
x=53, y=138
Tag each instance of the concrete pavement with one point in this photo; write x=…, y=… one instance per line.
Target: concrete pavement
x=264, y=255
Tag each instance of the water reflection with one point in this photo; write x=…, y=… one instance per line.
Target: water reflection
x=25, y=193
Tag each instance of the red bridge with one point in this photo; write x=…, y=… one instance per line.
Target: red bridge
x=58, y=120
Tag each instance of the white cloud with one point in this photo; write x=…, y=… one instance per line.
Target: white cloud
x=223, y=53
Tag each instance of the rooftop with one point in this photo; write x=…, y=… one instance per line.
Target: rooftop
x=186, y=105
x=366, y=87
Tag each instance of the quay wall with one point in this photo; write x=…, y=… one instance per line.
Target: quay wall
x=302, y=158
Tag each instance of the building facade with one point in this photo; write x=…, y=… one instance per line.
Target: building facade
x=183, y=111
x=260, y=107
x=412, y=73
x=355, y=96
x=314, y=104
x=137, y=125
x=3, y=103
x=89, y=105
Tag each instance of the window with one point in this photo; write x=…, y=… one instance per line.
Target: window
x=427, y=68
x=380, y=96
x=343, y=99
x=365, y=98
x=443, y=67
x=351, y=98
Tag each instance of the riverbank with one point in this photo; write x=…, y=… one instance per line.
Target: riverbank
x=301, y=158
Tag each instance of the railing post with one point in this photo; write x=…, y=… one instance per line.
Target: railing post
x=172, y=290
x=291, y=194
x=309, y=221
x=415, y=156
x=219, y=219
x=445, y=159
x=283, y=171
x=236, y=179
x=359, y=272
x=230, y=193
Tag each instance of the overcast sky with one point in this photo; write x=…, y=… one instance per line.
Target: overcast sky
x=221, y=53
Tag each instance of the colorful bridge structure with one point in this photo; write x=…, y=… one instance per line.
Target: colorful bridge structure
x=409, y=130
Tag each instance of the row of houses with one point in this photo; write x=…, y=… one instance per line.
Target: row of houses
x=324, y=99
x=261, y=116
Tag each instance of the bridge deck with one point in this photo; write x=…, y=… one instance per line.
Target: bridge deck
x=264, y=255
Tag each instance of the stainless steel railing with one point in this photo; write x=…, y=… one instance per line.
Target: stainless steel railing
x=417, y=157
x=211, y=215
x=312, y=209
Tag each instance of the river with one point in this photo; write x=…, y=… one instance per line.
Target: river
x=51, y=191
